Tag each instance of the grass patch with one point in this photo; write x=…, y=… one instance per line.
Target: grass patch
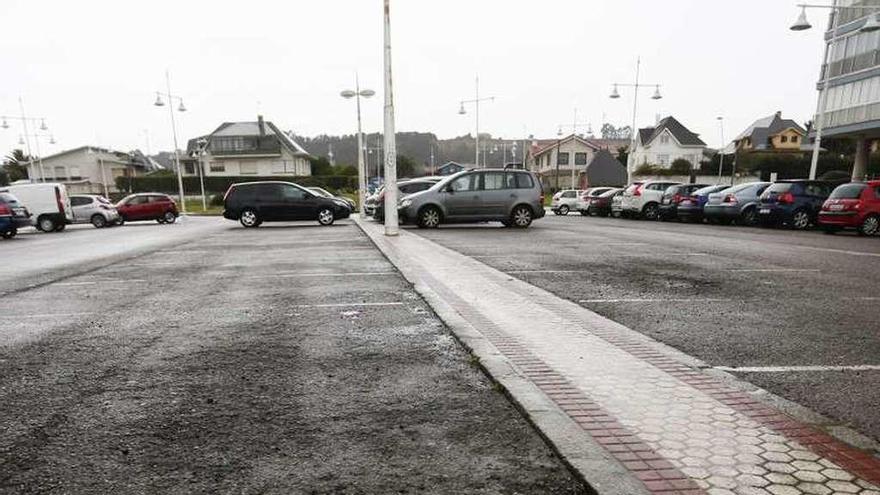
x=194, y=207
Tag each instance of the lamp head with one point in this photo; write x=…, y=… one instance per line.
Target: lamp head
x=657, y=95
x=43, y=125
x=20, y=140
x=348, y=94
x=461, y=110
x=5, y=124
x=368, y=93
x=801, y=24
x=52, y=140
x=614, y=93
x=181, y=108
x=159, y=102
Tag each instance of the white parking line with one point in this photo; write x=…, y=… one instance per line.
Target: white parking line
x=796, y=369
x=548, y=271
x=646, y=300
x=46, y=315
x=773, y=270
x=296, y=275
x=346, y=305
x=95, y=282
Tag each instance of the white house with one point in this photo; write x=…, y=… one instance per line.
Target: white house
x=569, y=155
x=667, y=142
x=91, y=169
x=256, y=148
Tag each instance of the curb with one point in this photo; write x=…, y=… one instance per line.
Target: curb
x=588, y=460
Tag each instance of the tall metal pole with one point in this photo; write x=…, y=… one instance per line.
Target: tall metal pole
x=27, y=140
x=477, y=99
x=201, y=164
x=574, y=126
x=630, y=161
x=723, y=144
x=362, y=179
x=823, y=94
x=174, y=132
x=391, y=225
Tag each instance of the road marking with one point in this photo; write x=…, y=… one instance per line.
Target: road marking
x=839, y=251
x=345, y=305
x=795, y=369
x=592, y=301
x=774, y=270
x=48, y=315
x=96, y=282
x=548, y=271
x=353, y=274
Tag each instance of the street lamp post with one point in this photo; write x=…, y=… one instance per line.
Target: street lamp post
x=476, y=102
x=634, y=132
x=37, y=137
x=391, y=224
x=574, y=127
x=181, y=108
x=723, y=144
x=802, y=24
x=200, y=152
x=24, y=119
x=358, y=93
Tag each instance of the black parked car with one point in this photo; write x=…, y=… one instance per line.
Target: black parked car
x=673, y=197
x=253, y=203
x=793, y=202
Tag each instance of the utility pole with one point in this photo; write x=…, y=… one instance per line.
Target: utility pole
x=391, y=224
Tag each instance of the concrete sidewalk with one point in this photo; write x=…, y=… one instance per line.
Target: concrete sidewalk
x=633, y=416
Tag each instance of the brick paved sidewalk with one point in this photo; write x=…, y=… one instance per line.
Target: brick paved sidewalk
x=668, y=424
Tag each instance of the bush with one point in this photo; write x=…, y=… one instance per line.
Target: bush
x=216, y=200
x=219, y=184
x=647, y=169
x=681, y=167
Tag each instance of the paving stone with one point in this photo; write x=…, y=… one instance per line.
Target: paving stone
x=783, y=490
x=837, y=474
x=843, y=486
x=813, y=488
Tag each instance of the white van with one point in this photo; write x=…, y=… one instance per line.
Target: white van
x=47, y=202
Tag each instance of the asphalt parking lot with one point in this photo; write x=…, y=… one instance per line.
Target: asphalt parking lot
x=288, y=359
x=793, y=312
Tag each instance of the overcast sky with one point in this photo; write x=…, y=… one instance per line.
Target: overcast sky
x=91, y=67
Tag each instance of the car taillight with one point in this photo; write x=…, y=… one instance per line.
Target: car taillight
x=58, y=201
x=677, y=198
x=730, y=198
x=857, y=205
x=638, y=191
x=5, y=210
x=785, y=198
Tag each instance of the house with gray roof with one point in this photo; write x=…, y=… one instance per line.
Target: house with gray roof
x=92, y=169
x=248, y=149
x=667, y=142
x=772, y=134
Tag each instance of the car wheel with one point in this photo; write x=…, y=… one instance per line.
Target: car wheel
x=749, y=217
x=326, y=217
x=564, y=210
x=800, y=220
x=99, y=221
x=522, y=217
x=120, y=221
x=169, y=217
x=9, y=234
x=249, y=219
x=651, y=212
x=429, y=218
x=46, y=224
x=870, y=226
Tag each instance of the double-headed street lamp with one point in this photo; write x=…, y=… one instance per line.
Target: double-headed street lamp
x=180, y=108
x=357, y=94
x=476, y=102
x=25, y=138
x=24, y=119
x=802, y=24
x=615, y=94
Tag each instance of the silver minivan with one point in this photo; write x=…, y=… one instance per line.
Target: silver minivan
x=513, y=197
x=93, y=209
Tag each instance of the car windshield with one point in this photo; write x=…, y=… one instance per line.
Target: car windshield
x=848, y=191
x=320, y=192
x=8, y=198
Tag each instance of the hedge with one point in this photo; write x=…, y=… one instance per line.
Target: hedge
x=219, y=184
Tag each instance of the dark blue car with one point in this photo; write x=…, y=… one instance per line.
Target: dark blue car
x=795, y=203
x=13, y=215
x=690, y=209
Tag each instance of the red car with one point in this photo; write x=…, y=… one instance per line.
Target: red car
x=854, y=206
x=147, y=206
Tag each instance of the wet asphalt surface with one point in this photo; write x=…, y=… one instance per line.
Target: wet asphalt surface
x=289, y=359
x=732, y=296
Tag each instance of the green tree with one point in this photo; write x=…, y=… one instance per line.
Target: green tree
x=321, y=166
x=681, y=167
x=15, y=166
x=406, y=166
x=349, y=170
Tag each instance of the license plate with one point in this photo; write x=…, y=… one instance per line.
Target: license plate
x=686, y=203
x=18, y=211
x=765, y=211
x=666, y=201
x=835, y=207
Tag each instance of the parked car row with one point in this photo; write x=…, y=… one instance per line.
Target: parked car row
x=515, y=198
x=49, y=208
x=798, y=204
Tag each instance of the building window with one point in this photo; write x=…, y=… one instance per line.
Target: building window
x=562, y=159
x=784, y=139
x=580, y=158
x=189, y=168
x=794, y=139
x=663, y=159
x=217, y=167
x=234, y=143
x=60, y=173
x=664, y=139
x=75, y=173
x=248, y=168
